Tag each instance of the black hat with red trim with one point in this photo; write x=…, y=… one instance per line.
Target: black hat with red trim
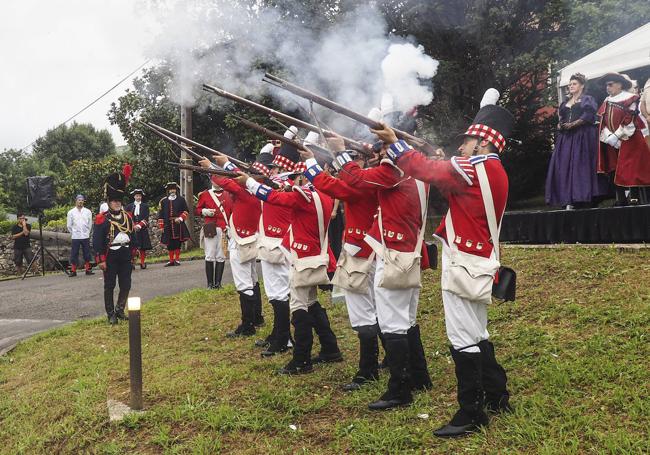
x=492, y=123
x=115, y=184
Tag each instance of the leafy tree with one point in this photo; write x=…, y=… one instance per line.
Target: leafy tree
x=74, y=142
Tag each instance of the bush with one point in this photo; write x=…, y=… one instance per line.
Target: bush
x=60, y=212
x=5, y=226
x=55, y=225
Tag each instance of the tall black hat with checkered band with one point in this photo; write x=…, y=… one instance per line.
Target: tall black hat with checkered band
x=115, y=184
x=492, y=123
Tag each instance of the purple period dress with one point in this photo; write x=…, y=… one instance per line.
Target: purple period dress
x=572, y=176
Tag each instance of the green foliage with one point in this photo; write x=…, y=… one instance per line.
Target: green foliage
x=58, y=212
x=74, y=142
x=5, y=226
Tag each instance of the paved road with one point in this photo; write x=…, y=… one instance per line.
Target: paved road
x=36, y=304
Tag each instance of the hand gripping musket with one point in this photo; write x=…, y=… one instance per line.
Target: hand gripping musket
x=178, y=137
x=351, y=143
x=296, y=90
x=277, y=136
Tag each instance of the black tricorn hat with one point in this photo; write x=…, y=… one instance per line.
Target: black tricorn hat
x=494, y=124
x=137, y=191
x=169, y=185
x=617, y=77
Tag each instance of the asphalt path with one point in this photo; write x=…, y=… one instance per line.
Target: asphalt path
x=40, y=303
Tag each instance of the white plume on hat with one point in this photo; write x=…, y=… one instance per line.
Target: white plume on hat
x=313, y=138
x=375, y=114
x=268, y=148
x=291, y=132
x=491, y=96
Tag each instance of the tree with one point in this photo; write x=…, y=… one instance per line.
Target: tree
x=75, y=142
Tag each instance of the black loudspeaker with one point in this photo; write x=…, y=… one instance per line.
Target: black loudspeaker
x=40, y=192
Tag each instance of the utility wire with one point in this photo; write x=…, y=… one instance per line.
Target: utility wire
x=94, y=101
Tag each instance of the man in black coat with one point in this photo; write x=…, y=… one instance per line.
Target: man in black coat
x=139, y=211
x=172, y=214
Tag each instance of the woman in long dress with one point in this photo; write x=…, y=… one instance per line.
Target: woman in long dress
x=572, y=180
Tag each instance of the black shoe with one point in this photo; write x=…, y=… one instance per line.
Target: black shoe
x=333, y=357
x=265, y=343
x=177, y=262
x=455, y=431
x=71, y=274
x=89, y=272
x=399, y=383
x=143, y=266
x=241, y=331
x=274, y=349
x=359, y=380
x=170, y=264
x=259, y=321
x=120, y=315
x=294, y=367
x=112, y=319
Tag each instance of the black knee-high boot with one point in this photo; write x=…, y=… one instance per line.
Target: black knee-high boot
x=109, y=306
x=218, y=274
x=258, y=317
x=497, y=397
x=121, y=304
x=470, y=417
x=368, y=357
x=281, y=328
x=399, y=383
x=303, y=324
x=246, y=328
x=420, y=378
x=209, y=273
x=329, y=348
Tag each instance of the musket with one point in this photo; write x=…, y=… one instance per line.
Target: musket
x=297, y=90
x=277, y=136
x=223, y=173
x=172, y=141
x=177, y=136
x=354, y=145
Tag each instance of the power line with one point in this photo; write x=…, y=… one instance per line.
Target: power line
x=94, y=101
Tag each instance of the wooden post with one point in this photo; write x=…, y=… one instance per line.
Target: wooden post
x=187, y=185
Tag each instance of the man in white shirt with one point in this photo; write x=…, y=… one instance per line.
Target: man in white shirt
x=80, y=222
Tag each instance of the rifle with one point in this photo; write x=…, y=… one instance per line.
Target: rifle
x=178, y=137
x=297, y=90
x=223, y=173
x=351, y=143
x=277, y=136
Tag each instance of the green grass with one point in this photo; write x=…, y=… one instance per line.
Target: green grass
x=194, y=253
x=575, y=345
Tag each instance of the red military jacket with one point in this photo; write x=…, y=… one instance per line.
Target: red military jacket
x=245, y=208
x=207, y=202
x=304, y=217
x=630, y=162
x=457, y=180
x=399, y=203
x=360, y=205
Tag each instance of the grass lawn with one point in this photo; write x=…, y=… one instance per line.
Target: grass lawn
x=575, y=345
x=194, y=253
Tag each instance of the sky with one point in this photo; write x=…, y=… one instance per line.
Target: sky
x=59, y=55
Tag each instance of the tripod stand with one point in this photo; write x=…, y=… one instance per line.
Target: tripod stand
x=41, y=251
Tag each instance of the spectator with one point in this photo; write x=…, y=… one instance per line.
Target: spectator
x=22, y=249
x=80, y=222
x=572, y=180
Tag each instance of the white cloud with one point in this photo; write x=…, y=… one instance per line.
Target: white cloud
x=58, y=55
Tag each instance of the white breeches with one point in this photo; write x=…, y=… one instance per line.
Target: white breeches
x=301, y=298
x=244, y=274
x=276, y=280
x=396, y=308
x=362, y=309
x=465, y=320
x=214, y=248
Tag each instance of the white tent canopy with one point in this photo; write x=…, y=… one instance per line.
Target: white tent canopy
x=628, y=52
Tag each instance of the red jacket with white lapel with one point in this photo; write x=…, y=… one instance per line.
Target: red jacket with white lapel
x=360, y=205
x=457, y=180
x=206, y=202
x=245, y=208
x=304, y=218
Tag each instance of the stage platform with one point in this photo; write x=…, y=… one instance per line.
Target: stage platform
x=600, y=225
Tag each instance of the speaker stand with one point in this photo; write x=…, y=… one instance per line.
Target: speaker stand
x=42, y=251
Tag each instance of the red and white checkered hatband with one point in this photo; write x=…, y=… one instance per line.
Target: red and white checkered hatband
x=259, y=167
x=489, y=134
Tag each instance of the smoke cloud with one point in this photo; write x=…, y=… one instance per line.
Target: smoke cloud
x=352, y=61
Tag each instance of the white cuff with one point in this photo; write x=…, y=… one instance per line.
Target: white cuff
x=252, y=185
